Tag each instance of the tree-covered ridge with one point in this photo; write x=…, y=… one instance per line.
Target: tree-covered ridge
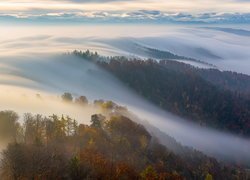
x=184, y=90
x=158, y=54
x=112, y=146
x=227, y=80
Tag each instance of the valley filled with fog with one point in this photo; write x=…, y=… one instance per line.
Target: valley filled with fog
x=226, y=47
x=35, y=71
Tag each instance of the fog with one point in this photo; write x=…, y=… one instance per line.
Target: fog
x=226, y=47
x=23, y=77
x=23, y=100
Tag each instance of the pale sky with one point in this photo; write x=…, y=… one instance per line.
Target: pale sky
x=162, y=5
x=152, y=9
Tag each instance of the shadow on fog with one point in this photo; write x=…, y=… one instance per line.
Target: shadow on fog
x=53, y=75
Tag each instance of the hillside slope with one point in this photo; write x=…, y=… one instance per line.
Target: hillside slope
x=111, y=147
x=189, y=92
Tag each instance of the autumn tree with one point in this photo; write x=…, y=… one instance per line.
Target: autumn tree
x=149, y=173
x=9, y=127
x=82, y=100
x=97, y=120
x=67, y=97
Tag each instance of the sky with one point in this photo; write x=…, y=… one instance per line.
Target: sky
x=161, y=11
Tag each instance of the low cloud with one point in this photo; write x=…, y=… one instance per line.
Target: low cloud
x=142, y=16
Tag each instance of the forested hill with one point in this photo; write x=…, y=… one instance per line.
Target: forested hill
x=196, y=94
x=113, y=146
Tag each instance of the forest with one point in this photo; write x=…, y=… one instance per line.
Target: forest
x=208, y=97
x=111, y=146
